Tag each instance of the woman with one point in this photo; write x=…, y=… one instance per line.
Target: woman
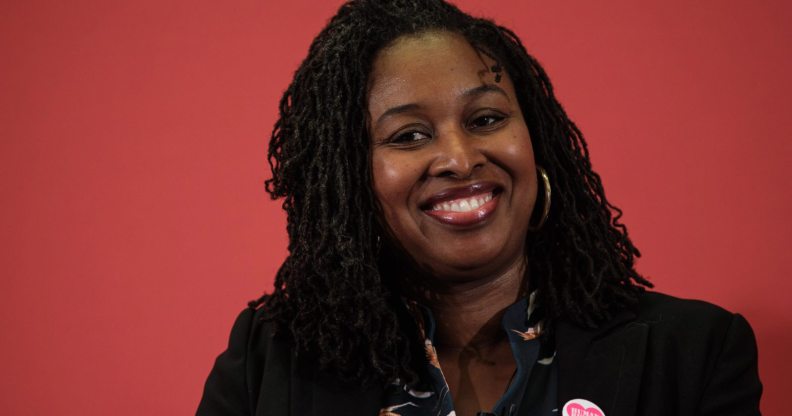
x=451, y=250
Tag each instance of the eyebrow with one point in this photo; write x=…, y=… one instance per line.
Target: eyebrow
x=399, y=109
x=483, y=89
x=471, y=93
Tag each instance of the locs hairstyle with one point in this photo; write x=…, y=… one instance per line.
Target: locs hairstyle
x=332, y=298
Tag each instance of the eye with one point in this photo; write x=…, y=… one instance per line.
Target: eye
x=487, y=121
x=408, y=138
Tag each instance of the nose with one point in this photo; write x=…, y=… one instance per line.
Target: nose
x=458, y=154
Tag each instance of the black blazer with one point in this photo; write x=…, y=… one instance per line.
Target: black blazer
x=667, y=357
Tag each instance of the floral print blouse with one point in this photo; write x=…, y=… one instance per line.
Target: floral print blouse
x=532, y=390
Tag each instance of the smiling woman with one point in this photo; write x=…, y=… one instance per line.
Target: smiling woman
x=452, y=251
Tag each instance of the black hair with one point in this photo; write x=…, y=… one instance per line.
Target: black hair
x=331, y=297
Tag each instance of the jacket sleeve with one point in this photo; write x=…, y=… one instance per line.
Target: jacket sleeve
x=226, y=390
x=734, y=387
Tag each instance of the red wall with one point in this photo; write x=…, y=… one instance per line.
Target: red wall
x=134, y=225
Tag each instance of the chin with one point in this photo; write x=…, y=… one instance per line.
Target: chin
x=467, y=268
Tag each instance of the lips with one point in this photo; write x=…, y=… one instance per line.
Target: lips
x=463, y=206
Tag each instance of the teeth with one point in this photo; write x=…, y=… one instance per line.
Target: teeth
x=463, y=205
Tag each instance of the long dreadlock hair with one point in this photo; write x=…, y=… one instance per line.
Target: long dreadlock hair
x=330, y=297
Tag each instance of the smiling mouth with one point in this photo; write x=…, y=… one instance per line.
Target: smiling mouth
x=463, y=204
x=463, y=207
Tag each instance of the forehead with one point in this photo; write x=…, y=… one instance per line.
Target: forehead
x=425, y=49
x=425, y=67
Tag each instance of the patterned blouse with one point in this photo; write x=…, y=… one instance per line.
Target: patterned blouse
x=532, y=390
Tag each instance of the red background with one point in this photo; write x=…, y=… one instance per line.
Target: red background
x=133, y=134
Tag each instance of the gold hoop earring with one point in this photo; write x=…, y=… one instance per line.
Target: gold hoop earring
x=547, y=194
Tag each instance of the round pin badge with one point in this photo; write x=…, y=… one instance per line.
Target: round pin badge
x=581, y=407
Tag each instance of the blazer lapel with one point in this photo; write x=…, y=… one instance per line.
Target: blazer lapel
x=602, y=365
x=316, y=393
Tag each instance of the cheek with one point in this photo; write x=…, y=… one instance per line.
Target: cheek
x=394, y=178
x=517, y=153
x=520, y=153
x=517, y=158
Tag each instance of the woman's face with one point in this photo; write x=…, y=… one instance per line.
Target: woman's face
x=452, y=163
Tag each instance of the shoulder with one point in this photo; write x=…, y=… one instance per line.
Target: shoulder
x=256, y=331
x=689, y=320
x=661, y=308
x=702, y=348
x=235, y=381
x=252, y=327
x=654, y=302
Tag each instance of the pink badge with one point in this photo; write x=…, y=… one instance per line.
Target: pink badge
x=581, y=407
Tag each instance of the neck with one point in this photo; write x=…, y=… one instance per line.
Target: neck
x=468, y=314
